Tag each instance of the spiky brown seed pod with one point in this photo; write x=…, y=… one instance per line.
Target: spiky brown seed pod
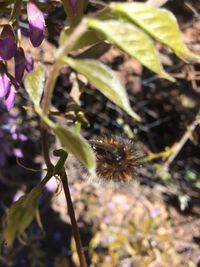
x=117, y=158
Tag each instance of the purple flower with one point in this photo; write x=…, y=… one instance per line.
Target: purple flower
x=10, y=98
x=36, y=24
x=74, y=6
x=18, y=152
x=7, y=89
x=154, y=212
x=20, y=63
x=4, y=81
x=10, y=136
x=8, y=44
x=29, y=63
x=22, y=137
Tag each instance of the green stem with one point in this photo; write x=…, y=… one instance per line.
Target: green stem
x=74, y=16
x=153, y=156
x=52, y=76
x=45, y=145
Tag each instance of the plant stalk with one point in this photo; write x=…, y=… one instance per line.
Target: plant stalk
x=46, y=101
x=75, y=230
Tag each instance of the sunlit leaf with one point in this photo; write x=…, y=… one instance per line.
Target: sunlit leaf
x=164, y=237
x=95, y=241
x=34, y=84
x=133, y=41
x=147, y=225
x=89, y=38
x=160, y=23
x=21, y=214
x=132, y=228
x=104, y=79
x=74, y=143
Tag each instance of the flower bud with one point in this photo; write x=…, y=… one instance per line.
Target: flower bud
x=8, y=44
x=4, y=81
x=20, y=63
x=36, y=24
x=29, y=63
x=10, y=98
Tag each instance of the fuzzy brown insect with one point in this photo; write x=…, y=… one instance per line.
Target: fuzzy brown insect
x=117, y=158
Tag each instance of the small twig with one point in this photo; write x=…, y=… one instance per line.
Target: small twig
x=163, y=154
x=45, y=145
x=178, y=146
x=27, y=168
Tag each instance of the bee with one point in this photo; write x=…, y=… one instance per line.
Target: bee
x=117, y=158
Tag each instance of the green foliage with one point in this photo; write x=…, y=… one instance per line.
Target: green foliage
x=157, y=22
x=140, y=240
x=74, y=143
x=103, y=79
x=129, y=38
x=133, y=28
x=74, y=19
x=90, y=37
x=34, y=84
x=21, y=214
x=192, y=177
x=162, y=172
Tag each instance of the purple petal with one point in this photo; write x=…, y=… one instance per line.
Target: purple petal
x=19, y=65
x=10, y=98
x=8, y=44
x=14, y=136
x=154, y=212
x=29, y=63
x=74, y=6
x=23, y=137
x=4, y=81
x=36, y=24
x=18, y=153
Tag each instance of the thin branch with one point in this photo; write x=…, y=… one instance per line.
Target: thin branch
x=75, y=230
x=178, y=146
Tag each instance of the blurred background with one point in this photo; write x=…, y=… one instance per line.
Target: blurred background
x=153, y=221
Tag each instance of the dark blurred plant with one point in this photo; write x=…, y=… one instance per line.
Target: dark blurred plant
x=10, y=137
x=141, y=243
x=132, y=27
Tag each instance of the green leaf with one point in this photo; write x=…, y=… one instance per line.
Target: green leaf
x=147, y=225
x=160, y=23
x=89, y=38
x=105, y=80
x=74, y=143
x=21, y=214
x=197, y=184
x=34, y=84
x=133, y=41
